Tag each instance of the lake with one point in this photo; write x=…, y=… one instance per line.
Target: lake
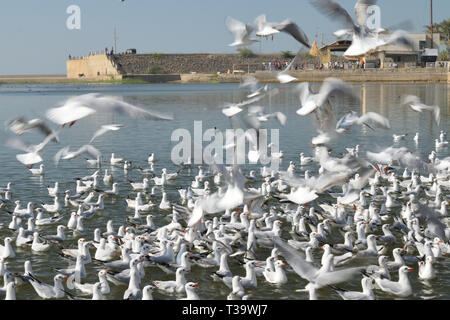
x=188, y=103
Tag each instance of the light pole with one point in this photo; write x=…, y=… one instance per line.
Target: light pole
x=431, y=27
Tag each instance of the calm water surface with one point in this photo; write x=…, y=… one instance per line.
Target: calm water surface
x=190, y=102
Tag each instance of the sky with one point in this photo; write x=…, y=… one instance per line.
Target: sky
x=35, y=38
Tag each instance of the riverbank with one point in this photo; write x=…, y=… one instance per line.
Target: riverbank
x=54, y=79
x=369, y=75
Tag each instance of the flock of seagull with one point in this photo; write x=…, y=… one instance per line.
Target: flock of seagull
x=328, y=219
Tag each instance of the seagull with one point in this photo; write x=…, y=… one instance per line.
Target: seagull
x=290, y=27
x=190, y=291
x=366, y=294
x=65, y=154
x=416, y=105
x=241, y=32
x=34, y=152
x=364, y=40
x=82, y=106
x=20, y=125
x=283, y=76
x=401, y=288
x=317, y=277
x=37, y=245
x=88, y=288
x=252, y=82
x=265, y=28
x=369, y=119
x=47, y=291
x=39, y=171
x=331, y=86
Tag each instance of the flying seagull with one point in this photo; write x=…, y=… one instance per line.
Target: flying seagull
x=79, y=107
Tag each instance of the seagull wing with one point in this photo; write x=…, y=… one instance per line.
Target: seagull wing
x=61, y=153
x=29, y=158
x=437, y=114
x=43, y=128
x=249, y=81
x=281, y=117
x=236, y=27
x=71, y=111
x=15, y=124
x=197, y=215
x=410, y=99
x=338, y=276
x=104, y=129
x=89, y=149
x=294, y=30
x=333, y=86
x=304, y=269
x=305, y=92
x=374, y=118
x=109, y=104
x=17, y=143
x=335, y=11
x=402, y=38
x=260, y=22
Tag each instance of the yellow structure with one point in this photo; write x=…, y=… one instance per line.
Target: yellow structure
x=315, y=49
x=92, y=67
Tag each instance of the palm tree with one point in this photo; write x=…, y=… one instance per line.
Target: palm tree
x=445, y=32
x=443, y=29
x=436, y=28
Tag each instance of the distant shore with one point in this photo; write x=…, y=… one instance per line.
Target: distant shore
x=370, y=75
x=55, y=79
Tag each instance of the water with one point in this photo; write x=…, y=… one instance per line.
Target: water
x=190, y=102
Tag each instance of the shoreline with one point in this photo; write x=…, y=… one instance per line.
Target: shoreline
x=374, y=75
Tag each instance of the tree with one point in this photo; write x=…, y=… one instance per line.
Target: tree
x=245, y=53
x=443, y=29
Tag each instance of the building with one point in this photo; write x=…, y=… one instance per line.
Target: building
x=400, y=56
x=393, y=56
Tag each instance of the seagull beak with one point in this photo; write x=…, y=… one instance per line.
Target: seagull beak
x=410, y=269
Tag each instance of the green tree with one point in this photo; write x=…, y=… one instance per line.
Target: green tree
x=443, y=28
x=287, y=54
x=245, y=53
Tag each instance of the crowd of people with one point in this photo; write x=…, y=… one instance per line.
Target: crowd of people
x=276, y=65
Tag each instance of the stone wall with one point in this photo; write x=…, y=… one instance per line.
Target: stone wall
x=370, y=75
x=92, y=67
x=201, y=63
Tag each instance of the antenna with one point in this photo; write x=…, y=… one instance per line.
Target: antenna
x=431, y=26
x=115, y=40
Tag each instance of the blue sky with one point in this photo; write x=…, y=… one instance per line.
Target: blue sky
x=35, y=39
